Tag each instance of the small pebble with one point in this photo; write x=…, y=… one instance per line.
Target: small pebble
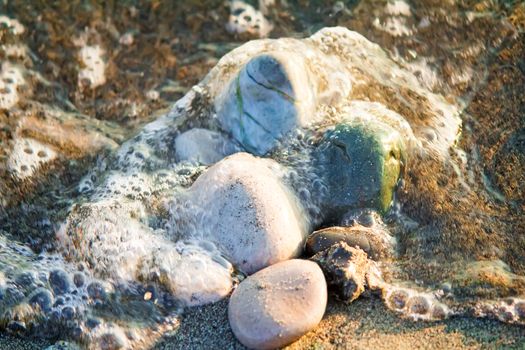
x=277, y=305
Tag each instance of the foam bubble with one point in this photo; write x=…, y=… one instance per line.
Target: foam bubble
x=244, y=18
x=93, y=67
x=27, y=156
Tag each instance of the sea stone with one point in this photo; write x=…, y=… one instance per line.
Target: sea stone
x=203, y=146
x=261, y=106
x=345, y=269
x=374, y=242
x=248, y=213
x=361, y=165
x=277, y=305
x=276, y=92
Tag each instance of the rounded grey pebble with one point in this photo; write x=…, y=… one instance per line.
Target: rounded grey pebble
x=279, y=304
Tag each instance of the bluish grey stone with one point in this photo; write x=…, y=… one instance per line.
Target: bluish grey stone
x=268, y=99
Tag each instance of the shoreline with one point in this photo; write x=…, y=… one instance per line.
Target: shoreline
x=364, y=324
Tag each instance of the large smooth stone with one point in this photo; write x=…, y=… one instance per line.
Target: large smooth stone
x=361, y=164
x=270, y=96
x=252, y=217
x=203, y=146
x=279, y=304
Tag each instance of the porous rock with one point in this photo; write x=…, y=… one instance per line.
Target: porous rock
x=345, y=269
x=372, y=241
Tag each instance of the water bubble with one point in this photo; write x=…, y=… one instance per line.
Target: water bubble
x=60, y=282
x=418, y=305
x=79, y=279
x=68, y=313
x=43, y=298
x=96, y=291
x=398, y=299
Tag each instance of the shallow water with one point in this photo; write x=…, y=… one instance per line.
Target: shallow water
x=99, y=243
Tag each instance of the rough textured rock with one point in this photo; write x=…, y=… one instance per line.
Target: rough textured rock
x=376, y=243
x=248, y=213
x=203, y=146
x=279, y=304
x=345, y=268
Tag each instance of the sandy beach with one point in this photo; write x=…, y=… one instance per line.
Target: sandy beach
x=364, y=324
x=470, y=217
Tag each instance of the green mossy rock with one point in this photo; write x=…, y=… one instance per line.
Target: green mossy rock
x=361, y=165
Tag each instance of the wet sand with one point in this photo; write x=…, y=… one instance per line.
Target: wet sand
x=12, y=343
x=364, y=324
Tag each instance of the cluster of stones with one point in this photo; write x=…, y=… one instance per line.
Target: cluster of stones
x=260, y=223
x=145, y=217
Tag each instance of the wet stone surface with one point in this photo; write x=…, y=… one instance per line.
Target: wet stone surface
x=361, y=164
